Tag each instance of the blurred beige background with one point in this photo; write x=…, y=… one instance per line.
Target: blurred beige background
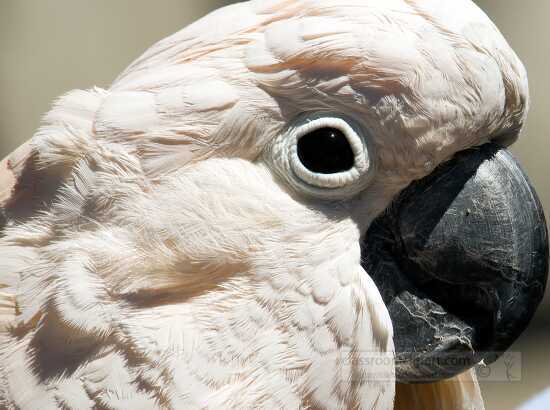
x=48, y=47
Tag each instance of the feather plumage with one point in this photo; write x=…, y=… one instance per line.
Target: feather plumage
x=152, y=258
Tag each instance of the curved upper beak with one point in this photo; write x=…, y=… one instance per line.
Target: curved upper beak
x=461, y=260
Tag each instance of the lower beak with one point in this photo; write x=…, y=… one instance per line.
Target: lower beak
x=461, y=260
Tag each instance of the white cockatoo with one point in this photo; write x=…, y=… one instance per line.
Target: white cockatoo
x=192, y=236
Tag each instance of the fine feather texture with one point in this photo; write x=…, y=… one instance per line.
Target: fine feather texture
x=458, y=393
x=152, y=254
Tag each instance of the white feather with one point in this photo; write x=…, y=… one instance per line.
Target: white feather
x=174, y=268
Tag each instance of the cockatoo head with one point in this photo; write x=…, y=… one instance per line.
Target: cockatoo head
x=238, y=165
x=301, y=121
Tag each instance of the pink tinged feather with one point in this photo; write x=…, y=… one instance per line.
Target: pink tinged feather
x=127, y=113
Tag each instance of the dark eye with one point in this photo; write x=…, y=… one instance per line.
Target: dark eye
x=325, y=151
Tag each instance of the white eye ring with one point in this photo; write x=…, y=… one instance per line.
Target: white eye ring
x=284, y=154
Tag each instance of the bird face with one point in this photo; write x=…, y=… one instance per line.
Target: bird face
x=280, y=187
x=330, y=111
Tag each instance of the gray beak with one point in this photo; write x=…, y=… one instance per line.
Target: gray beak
x=461, y=260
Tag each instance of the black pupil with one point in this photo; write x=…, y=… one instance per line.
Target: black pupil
x=325, y=151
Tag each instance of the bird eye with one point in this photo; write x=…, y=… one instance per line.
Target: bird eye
x=325, y=150
x=323, y=155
